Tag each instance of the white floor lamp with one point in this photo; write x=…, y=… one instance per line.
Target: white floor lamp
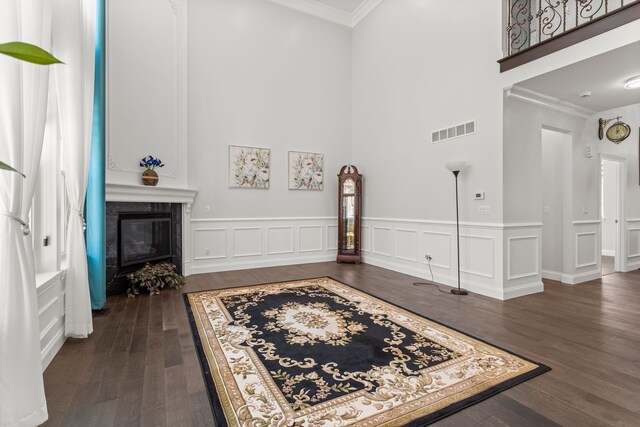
x=456, y=167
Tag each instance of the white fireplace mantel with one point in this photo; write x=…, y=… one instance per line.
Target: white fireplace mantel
x=145, y=193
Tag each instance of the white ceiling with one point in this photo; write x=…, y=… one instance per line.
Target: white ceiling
x=602, y=75
x=343, y=12
x=348, y=6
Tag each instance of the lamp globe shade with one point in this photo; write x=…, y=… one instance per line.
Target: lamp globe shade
x=456, y=166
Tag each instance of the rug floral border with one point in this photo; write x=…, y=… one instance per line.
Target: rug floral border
x=221, y=400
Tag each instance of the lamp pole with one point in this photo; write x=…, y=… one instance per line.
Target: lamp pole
x=456, y=167
x=458, y=291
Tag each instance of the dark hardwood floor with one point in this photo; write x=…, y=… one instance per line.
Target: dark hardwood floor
x=139, y=367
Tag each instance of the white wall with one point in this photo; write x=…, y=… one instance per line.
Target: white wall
x=609, y=206
x=263, y=75
x=628, y=152
x=146, y=89
x=556, y=184
x=415, y=73
x=266, y=76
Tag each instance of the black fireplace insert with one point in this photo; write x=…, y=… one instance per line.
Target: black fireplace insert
x=144, y=237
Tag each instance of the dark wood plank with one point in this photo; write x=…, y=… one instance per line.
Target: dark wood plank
x=139, y=367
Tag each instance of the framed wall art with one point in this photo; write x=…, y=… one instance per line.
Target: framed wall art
x=306, y=171
x=249, y=167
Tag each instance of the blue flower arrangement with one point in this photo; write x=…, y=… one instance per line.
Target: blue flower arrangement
x=150, y=163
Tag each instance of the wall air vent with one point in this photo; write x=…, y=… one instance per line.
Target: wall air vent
x=453, y=132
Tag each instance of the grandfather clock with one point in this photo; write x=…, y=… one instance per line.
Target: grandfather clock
x=349, y=214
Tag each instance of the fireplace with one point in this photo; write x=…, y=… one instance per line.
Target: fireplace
x=141, y=232
x=144, y=237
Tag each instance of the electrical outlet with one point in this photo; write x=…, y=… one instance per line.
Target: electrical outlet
x=207, y=251
x=484, y=210
x=428, y=257
x=207, y=208
x=547, y=210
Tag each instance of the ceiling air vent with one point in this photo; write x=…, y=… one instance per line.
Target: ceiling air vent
x=453, y=132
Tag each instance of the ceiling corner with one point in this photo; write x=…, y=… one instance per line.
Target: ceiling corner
x=363, y=10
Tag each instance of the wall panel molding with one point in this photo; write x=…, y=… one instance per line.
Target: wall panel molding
x=234, y=244
x=534, y=270
x=381, y=241
x=406, y=244
x=633, y=240
x=247, y=242
x=280, y=240
x=310, y=241
x=580, y=254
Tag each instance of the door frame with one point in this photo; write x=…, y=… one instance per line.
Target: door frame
x=621, y=230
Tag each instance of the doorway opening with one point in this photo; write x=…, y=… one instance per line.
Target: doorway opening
x=611, y=169
x=556, y=202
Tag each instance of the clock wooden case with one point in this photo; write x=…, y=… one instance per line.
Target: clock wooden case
x=349, y=214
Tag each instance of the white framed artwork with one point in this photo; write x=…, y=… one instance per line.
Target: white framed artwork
x=249, y=167
x=306, y=171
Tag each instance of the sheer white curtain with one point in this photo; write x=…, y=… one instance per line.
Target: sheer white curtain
x=23, y=104
x=73, y=42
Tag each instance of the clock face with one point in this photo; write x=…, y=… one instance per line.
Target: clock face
x=618, y=132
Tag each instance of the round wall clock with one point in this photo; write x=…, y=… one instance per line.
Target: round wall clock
x=618, y=132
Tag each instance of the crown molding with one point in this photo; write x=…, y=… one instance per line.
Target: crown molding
x=318, y=10
x=548, y=102
x=322, y=11
x=363, y=10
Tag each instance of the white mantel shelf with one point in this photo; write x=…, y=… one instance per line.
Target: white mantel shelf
x=145, y=193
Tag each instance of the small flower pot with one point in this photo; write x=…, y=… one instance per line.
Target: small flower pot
x=150, y=177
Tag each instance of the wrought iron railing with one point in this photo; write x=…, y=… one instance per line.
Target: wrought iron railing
x=530, y=22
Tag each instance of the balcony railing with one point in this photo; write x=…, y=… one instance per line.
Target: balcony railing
x=534, y=22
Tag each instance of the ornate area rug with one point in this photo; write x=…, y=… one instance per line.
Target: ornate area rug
x=319, y=353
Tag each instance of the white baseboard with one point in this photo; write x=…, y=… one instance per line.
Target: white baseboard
x=523, y=290
x=219, y=267
x=574, y=279
x=631, y=266
x=552, y=275
x=446, y=280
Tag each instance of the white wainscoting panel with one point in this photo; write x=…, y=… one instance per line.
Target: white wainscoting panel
x=210, y=243
x=438, y=245
x=477, y=255
x=523, y=257
x=587, y=251
x=280, y=240
x=238, y=243
x=247, y=242
x=406, y=244
x=310, y=238
x=381, y=241
x=633, y=242
x=365, y=239
x=401, y=245
x=332, y=237
x=50, y=292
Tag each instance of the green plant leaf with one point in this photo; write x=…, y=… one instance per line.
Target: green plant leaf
x=28, y=52
x=6, y=167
